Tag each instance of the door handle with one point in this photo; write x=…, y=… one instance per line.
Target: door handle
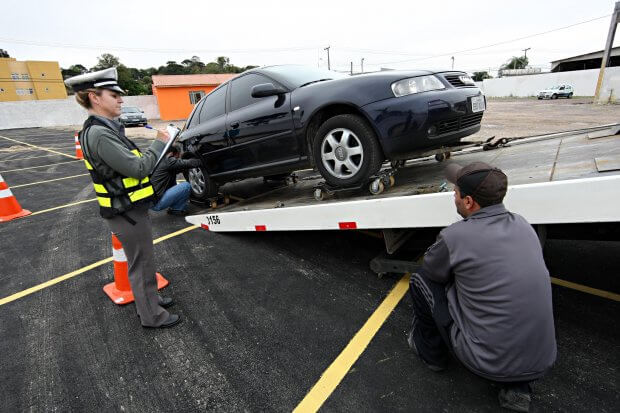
x=234, y=125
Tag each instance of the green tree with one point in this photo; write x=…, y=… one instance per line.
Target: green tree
x=4, y=53
x=105, y=61
x=515, y=63
x=73, y=70
x=480, y=76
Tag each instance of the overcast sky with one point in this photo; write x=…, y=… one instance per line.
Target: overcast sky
x=386, y=33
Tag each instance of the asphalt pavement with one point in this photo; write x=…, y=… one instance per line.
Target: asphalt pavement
x=264, y=314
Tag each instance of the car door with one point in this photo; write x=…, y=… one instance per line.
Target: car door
x=260, y=129
x=562, y=91
x=209, y=132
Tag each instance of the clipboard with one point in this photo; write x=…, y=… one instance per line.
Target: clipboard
x=174, y=133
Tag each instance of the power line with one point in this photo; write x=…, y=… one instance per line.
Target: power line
x=149, y=50
x=495, y=44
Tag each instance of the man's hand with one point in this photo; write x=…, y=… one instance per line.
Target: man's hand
x=162, y=135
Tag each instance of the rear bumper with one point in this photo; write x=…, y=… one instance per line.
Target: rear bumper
x=426, y=120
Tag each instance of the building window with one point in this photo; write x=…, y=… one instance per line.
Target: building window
x=195, y=96
x=47, y=89
x=30, y=91
x=1, y=90
x=42, y=74
x=15, y=76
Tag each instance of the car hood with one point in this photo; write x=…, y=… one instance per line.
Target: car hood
x=547, y=90
x=359, y=89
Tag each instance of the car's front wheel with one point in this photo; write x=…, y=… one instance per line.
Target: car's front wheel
x=570, y=95
x=202, y=186
x=346, y=151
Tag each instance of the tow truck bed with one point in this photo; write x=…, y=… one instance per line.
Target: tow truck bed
x=555, y=178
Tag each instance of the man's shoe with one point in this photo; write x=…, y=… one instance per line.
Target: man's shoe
x=165, y=301
x=177, y=212
x=514, y=400
x=415, y=350
x=173, y=319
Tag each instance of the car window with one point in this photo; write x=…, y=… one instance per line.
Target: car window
x=129, y=109
x=195, y=115
x=241, y=90
x=214, y=105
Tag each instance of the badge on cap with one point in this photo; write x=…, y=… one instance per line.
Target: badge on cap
x=104, y=79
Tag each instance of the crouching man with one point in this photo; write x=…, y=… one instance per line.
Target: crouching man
x=171, y=195
x=483, y=293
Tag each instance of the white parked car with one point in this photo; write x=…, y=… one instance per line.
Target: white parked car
x=559, y=91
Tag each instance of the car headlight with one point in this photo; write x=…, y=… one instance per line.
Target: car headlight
x=416, y=85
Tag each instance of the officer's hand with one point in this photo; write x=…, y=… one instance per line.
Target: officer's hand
x=163, y=136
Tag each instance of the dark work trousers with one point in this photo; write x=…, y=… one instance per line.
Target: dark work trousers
x=431, y=320
x=137, y=243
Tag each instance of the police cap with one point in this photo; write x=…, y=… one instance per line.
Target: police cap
x=104, y=79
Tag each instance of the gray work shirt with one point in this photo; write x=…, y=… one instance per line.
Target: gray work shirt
x=499, y=294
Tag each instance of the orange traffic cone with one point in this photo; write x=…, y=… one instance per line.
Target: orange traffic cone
x=78, y=148
x=9, y=207
x=120, y=290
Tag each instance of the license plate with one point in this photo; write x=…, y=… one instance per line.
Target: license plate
x=477, y=104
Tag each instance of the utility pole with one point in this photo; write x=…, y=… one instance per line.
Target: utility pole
x=362, y=65
x=615, y=17
x=525, y=51
x=351, y=68
x=328, y=63
x=452, y=62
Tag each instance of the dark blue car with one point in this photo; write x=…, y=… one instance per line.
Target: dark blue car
x=277, y=119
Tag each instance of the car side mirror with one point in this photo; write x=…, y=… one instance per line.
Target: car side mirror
x=267, y=89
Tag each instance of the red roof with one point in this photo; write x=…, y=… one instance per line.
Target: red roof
x=191, y=80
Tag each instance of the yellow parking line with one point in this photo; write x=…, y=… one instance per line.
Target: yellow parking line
x=82, y=270
x=586, y=289
x=49, y=180
x=331, y=378
x=42, y=166
x=62, y=206
x=38, y=147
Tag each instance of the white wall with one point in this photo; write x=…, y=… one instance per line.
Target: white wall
x=583, y=82
x=61, y=112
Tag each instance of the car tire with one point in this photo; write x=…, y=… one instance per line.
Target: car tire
x=348, y=163
x=202, y=186
x=554, y=96
x=570, y=95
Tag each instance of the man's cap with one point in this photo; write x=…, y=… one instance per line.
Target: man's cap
x=479, y=180
x=104, y=79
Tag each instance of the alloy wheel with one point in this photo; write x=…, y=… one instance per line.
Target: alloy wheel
x=197, y=180
x=342, y=153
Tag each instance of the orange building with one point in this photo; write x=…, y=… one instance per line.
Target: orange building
x=177, y=94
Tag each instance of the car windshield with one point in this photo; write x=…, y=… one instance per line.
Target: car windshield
x=298, y=75
x=555, y=87
x=130, y=109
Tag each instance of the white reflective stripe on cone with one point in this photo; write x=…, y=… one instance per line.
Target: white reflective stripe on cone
x=5, y=193
x=119, y=255
x=1, y=178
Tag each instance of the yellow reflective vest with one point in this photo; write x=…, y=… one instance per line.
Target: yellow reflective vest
x=116, y=194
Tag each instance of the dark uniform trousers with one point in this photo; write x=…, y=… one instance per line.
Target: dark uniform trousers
x=137, y=243
x=431, y=321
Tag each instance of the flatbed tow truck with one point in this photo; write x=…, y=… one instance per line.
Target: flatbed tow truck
x=570, y=177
